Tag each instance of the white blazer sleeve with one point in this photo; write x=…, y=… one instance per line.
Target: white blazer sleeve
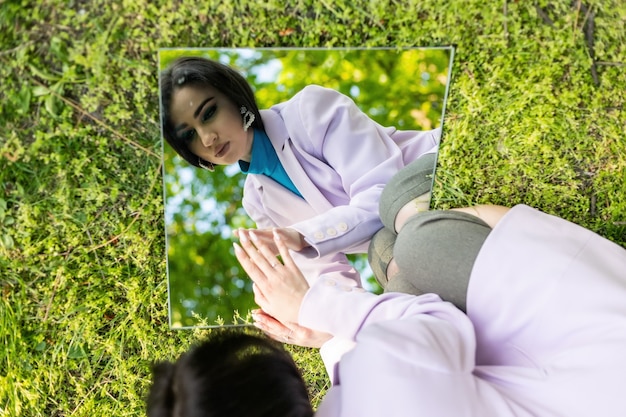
x=411, y=356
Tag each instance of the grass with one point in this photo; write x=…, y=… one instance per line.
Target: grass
x=535, y=115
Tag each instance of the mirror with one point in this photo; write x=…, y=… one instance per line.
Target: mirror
x=404, y=88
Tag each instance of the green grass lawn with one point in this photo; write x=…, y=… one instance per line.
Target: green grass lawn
x=535, y=115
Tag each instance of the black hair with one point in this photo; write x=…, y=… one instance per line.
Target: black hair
x=197, y=71
x=231, y=374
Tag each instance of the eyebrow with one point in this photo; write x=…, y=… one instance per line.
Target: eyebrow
x=195, y=114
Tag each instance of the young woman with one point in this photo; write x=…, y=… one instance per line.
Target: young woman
x=544, y=335
x=316, y=164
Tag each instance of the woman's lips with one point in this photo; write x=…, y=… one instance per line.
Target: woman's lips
x=222, y=150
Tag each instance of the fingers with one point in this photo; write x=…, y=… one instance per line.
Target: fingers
x=268, y=255
x=272, y=327
x=291, y=332
x=283, y=250
x=278, y=289
x=260, y=237
x=259, y=297
x=261, y=266
x=258, y=277
x=248, y=264
x=259, y=254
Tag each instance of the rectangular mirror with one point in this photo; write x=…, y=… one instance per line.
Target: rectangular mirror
x=404, y=88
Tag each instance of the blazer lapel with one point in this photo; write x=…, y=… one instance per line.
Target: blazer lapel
x=281, y=205
x=279, y=136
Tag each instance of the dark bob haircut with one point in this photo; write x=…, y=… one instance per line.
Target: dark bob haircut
x=230, y=374
x=197, y=71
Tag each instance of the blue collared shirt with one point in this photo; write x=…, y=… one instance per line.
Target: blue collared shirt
x=264, y=161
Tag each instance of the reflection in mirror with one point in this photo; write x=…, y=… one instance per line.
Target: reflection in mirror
x=405, y=89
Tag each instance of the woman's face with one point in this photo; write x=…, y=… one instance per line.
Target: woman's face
x=210, y=124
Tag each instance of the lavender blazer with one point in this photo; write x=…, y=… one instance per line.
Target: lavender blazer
x=544, y=334
x=340, y=160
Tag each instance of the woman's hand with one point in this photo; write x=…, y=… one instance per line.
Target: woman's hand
x=290, y=333
x=292, y=238
x=279, y=288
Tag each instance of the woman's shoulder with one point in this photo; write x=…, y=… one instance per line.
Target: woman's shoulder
x=314, y=93
x=313, y=101
x=310, y=92
x=307, y=113
x=316, y=89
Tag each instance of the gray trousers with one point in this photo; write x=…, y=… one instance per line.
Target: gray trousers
x=435, y=252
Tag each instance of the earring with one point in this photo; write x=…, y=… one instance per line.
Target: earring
x=210, y=167
x=248, y=118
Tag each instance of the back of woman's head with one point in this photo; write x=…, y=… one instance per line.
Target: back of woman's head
x=202, y=72
x=231, y=374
